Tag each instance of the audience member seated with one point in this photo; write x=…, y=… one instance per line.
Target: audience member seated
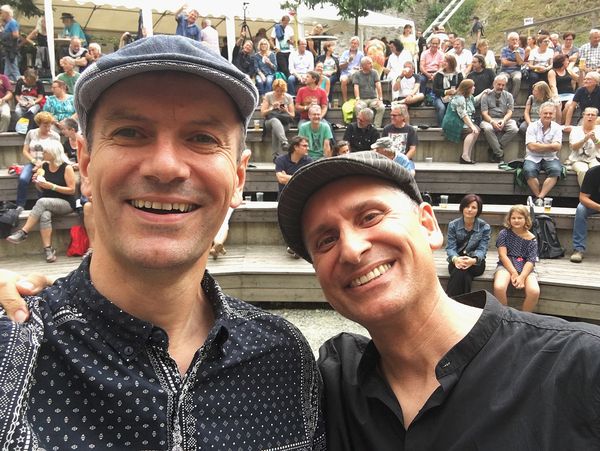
x=541, y=94
x=78, y=52
x=540, y=61
x=69, y=76
x=56, y=183
x=318, y=133
x=498, y=126
x=517, y=254
x=243, y=56
x=430, y=62
x=349, y=64
x=361, y=134
x=73, y=141
x=586, y=96
x=29, y=95
x=38, y=37
x=35, y=141
x=340, y=148
x=94, y=53
x=72, y=28
x=467, y=244
x=314, y=45
x=277, y=109
x=568, y=48
x=260, y=34
x=512, y=59
x=6, y=94
x=464, y=57
x=589, y=53
x=584, y=141
x=331, y=66
x=543, y=142
x=367, y=90
x=445, y=82
x=481, y=75
x=459, y=118
x=395, y=63
x=404, y=137
x=589, y=204
x=282, y=40
x=409, y=42
x=311, y=94
x=562, y=79
x=383, y=146
x=60, y=104
x=408, y=87
x=531, y=46
x=489, y=56
x=300, y=63
x=295, y=157
x=325, y=82
x=439, y=33
x=265, y=66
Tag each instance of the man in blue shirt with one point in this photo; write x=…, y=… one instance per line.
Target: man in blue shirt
x=186, y=24
x=10, y=37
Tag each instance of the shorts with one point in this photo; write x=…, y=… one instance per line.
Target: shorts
x=531, y=169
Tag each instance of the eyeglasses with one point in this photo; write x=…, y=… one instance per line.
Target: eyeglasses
x=395, y=115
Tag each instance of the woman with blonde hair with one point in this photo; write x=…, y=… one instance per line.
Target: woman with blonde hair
x=540, y=94
x=483, y=48
x=277, y=109
x=55, y=180
x=517, y=254
x=265, y=66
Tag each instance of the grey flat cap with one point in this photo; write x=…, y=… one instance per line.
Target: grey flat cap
x=312, y=177
x=163, y=53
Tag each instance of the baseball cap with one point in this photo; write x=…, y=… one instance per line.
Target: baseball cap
x=314, y=176
x=163, y=53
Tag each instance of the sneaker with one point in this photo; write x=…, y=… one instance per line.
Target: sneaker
x=539, y=202
x=50, y=254
x=577, y=257
x=17, y=237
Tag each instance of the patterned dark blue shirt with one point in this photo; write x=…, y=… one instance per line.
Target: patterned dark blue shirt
x=83, y=374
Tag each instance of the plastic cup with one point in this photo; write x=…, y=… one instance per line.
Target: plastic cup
x=256, y=124
x=428, y=160
x=248, y=198
x=336, y=103
x=547, y=204
x=444, y=201
x=260, y=196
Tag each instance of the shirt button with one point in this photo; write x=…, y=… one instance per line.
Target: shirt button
x=128, y=350
x=157, y=336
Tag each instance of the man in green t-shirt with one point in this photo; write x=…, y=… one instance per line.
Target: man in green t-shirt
x=318, y=134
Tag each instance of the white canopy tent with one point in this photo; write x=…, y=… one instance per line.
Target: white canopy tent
x=122, y=15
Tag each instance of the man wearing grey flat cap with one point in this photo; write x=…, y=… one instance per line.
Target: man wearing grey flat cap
x=437, y=374
x=139, y=348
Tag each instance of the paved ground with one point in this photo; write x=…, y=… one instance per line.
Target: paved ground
x=318, y=324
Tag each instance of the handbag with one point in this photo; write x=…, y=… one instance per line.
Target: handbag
x=282, y=116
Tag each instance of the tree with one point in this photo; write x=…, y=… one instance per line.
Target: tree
x=27, y=7
x=353, y=9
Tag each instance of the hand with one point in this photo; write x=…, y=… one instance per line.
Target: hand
x=44, y=184
x=519, y=282
x=13, y=286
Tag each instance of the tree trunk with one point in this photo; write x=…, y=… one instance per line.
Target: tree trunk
x=356, y=25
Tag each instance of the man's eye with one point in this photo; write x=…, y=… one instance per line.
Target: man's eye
x=371, y=217
x=202, y=138
x=127, y=133
x=325, y=243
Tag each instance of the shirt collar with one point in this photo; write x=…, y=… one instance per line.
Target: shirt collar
x=128, y=335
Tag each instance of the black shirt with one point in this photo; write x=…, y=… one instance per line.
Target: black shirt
x=517, y=381
x=591, y=183
x=483, y=80
x=83, y=374
x=586, y=99
x=360, y=138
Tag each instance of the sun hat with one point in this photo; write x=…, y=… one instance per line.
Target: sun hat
x=314, y=176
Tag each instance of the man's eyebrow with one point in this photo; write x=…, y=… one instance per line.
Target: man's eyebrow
x=354, y=208
x=119, y=115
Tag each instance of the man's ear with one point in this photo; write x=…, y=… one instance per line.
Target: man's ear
x=431, y=226
x=83, y=158
x=240, y=180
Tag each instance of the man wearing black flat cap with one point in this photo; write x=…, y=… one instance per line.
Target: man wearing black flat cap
x=437, y=374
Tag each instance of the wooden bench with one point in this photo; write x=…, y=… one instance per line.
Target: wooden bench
x=439, y=178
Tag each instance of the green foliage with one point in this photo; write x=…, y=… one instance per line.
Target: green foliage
x=25, y=7
x=461, y=22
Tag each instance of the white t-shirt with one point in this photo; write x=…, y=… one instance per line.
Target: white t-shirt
x=588, y=151
x=463, y=60
x=284, y=46
x=210, y=38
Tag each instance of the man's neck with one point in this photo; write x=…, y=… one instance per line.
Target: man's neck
x=171, y=299
x=295, y=157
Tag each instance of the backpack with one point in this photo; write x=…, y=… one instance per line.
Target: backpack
x=79, y=241
x=544, y=229
x=9, y=217
x=279, y=32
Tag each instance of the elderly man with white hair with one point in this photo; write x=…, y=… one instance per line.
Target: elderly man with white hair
x=586, y=96
x=10, y=38
x=590, y=52
x=210, y=36
x=512, y=58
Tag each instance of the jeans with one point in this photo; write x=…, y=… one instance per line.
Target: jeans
x=580, y=226
x=11, y=68
x=292, y=81
x=552, y=168
x=440, y=109
x=264, y=86
x=24, y=180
